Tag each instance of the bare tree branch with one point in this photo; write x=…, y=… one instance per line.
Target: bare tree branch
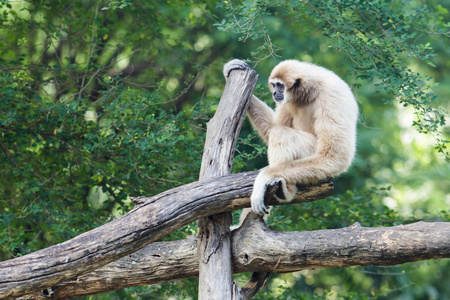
x=256, y=248
x=149, y=221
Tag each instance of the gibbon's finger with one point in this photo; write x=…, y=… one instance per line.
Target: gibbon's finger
x=233, y=65
x=259, y=192
x=238, y=64
x=259, y=208
x=255, y=204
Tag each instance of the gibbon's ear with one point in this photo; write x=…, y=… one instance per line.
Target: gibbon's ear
x=303, y=92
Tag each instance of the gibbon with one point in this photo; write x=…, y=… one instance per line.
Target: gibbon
x=311, y=135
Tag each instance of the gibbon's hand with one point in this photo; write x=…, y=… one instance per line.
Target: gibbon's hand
x=263, y=183
x=232, y=65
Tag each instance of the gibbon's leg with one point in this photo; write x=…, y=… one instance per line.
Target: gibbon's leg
x=310, y=169
x=287, y=147
x=287, y=175
x=288, y=144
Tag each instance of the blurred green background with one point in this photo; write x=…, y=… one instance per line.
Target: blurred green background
x=102, y=100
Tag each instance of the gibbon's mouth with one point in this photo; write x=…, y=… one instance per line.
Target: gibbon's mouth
x=278, y=99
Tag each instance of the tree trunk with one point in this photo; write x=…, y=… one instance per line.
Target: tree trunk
x=214, y=245
x=256, y=248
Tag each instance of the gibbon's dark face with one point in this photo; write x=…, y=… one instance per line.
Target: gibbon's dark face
x=277, y=88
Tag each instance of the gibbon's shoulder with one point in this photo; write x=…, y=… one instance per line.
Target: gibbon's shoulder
x=291, y=70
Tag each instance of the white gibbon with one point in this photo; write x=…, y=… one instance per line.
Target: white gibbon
x=311, y=135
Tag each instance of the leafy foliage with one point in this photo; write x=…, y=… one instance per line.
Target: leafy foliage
x=75, y=135
x=377, y=36
x=102, y=100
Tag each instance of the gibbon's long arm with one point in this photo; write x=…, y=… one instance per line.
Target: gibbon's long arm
x=261, y=116
x=288, y=144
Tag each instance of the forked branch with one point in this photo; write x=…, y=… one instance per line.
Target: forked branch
x=149, y=221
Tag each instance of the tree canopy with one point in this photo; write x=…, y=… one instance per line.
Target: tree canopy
x=103, y=100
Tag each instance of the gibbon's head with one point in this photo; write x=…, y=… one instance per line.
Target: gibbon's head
x=295, y=81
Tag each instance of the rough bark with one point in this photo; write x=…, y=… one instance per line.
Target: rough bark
x=214, y=244
x=257, y=248
x=153, y=218
x=260, y=249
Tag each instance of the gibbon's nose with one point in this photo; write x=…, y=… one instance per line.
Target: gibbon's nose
x=277, y=96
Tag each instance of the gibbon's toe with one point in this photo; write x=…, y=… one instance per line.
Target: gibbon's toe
x=278, y=182
x=282, y=193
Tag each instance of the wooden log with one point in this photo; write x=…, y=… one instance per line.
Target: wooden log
x=261, y=249
x=257, y=248
x=214, y=245
x=153, y=218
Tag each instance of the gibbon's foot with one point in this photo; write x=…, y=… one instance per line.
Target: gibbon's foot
x=232, y=65
x=284, y=193
x=263, y=183
x=280, y=183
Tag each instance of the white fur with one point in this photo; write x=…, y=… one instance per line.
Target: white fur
x=312, y=133
x=259, y=188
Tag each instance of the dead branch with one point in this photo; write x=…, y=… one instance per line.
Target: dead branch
x=256, y=248
x=149, y=221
